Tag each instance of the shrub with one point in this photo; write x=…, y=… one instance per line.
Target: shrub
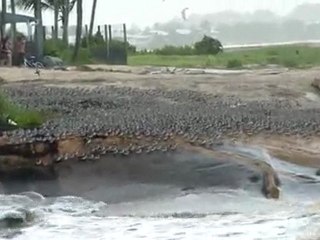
x=93, y=41
x=84, y=56
x=273, y=60
x=174, y=50
x=95, y=52
x=54, y=48
x=272, y=52
x=208, y=45
x=290, y=63
x=234, y=63
x=131, y=48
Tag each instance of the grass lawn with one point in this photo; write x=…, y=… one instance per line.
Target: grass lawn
x=23, y=117
x=292, y=56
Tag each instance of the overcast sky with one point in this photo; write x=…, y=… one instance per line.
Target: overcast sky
x=147, y=12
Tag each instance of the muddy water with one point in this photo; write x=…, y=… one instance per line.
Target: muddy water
x=183, y=196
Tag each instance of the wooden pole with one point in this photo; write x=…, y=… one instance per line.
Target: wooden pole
x=44, y=33
x=110, y=33
x=87, y=34
x=106, y=33
x=53, y=33
x=107, y=40
x=125, y=41
x=125, y=34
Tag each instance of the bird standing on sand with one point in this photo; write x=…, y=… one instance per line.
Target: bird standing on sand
x=37, y=71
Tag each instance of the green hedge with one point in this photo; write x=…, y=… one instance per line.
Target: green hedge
x=95, y=51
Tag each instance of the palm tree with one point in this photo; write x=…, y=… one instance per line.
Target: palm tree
x=79, y=30
x=37, y=6
x=56, y=19
x=31, y=4
x=3, y=17
x=93, y=13
x=13, y=25
x=65, y=21
x=39, y=28
x=62, y=7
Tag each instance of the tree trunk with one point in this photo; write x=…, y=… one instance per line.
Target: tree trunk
x=56, y=18
x=13, y=25
x=65, y=36
x=39, y=29
x=3, y=18
x=93, y=13
x=79, y=30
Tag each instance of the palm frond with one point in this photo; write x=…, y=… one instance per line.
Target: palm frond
x=30, y=4
x=61, y=4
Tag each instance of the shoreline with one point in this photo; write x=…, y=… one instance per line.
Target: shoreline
x=44, y=161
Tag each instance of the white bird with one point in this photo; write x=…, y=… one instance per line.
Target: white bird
x=11, y=122
x=184, y=13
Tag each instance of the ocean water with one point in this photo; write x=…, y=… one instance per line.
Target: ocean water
x=203, y=212
x=224, y=215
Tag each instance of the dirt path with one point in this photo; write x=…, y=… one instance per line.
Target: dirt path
x=258, y=84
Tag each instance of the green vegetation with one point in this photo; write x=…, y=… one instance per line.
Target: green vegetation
x=57, y=48
x=291, y=56
x=23, y=117
x=92, y=50
x=207, y=45
x=234, y=64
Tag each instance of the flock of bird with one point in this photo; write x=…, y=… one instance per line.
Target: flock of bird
x=155, y=114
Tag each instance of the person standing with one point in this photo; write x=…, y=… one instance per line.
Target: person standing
x=5, y=52
x=20, y=50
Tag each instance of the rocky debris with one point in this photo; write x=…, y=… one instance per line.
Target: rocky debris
x=316, y=83
x=53, y=63
x=16, y=218
x=270, y=186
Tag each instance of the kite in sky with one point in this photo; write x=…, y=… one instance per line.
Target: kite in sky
x=184, y=13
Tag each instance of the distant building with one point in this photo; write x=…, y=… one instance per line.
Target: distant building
x=18, y=18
